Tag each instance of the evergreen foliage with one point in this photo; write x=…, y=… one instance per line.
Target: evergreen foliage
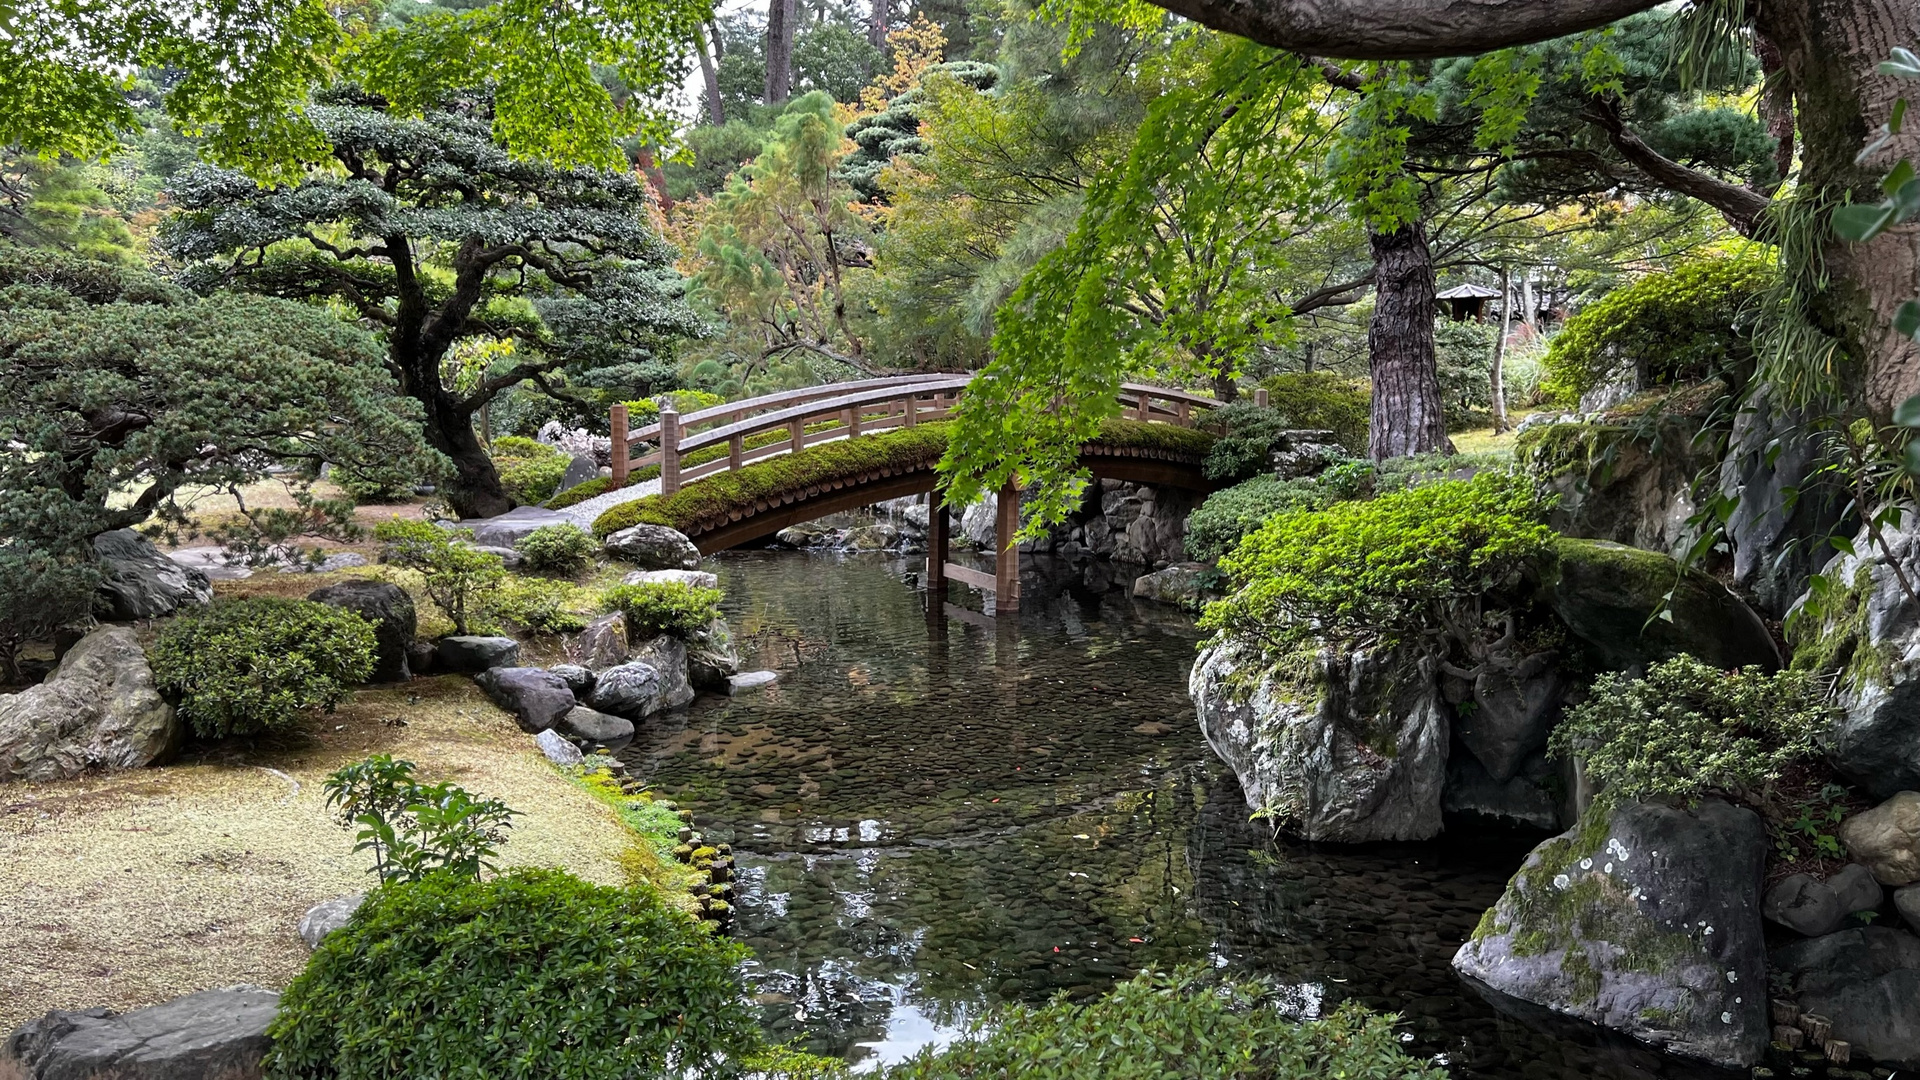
x=1689, y=323
x=562, y=548
x=652, y=608
x=462, y=580
x=241, y=667
x=1688, y=729
x=529, y=470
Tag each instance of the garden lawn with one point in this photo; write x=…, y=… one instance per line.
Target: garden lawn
x=131, y=888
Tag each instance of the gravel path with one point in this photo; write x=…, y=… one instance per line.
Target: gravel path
x=583, y=513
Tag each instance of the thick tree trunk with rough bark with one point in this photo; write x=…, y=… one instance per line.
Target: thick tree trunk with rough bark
x=1829, y=51
x=877, y=27
x=781, y=15
x=1406, y=387
x=475, y=489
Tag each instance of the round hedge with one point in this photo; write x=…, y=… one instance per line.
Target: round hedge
x=533, y=974
x=256, y=664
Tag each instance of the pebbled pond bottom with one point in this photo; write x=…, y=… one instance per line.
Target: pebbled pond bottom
x=935, y=812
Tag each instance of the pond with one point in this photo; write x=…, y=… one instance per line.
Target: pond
x=935, y=812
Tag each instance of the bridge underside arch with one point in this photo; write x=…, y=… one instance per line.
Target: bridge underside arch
x=808, y=506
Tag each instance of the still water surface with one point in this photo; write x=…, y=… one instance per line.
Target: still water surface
x=936, y=812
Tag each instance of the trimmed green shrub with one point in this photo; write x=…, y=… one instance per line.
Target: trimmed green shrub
x=562, y=548
x=663, y=607
x=461, y=580
x=415, y=829
x=244, y=666
x=1463, y=360
x=581, y=492
x=1324, y=401
x=901, y=450
x=541, y=604
x=529, y=470
x=533, y=975
x=1376, y=571
x=1689, y=728
x=1189, y=1024
x=1689, y=323
x=1216, y=525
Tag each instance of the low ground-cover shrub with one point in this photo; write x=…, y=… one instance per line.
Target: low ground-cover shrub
x=1686, y=324
x=1188, y=1024
x=529, y=470
x=462, y=581
x=1216, y=525
x=1323, y=401
x=1687, y=728
x=246, y=666
x=413, y=828
x=559, y=548
x=1380, y=570
x=663, y=607
x=533, y=975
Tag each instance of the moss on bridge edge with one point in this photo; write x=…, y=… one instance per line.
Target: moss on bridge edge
x=899, y=450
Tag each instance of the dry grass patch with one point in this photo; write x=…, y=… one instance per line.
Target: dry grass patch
x=132, y=888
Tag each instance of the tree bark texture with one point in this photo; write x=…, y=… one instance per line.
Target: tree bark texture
x=877, y=27
x=710, y=78
x=1497, y=377
x=1829, y=52
x=781, y=15
x=1406, y=386
x=475, y=489
x=1402, y=29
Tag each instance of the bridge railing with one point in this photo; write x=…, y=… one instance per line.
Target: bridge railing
x=684, y=446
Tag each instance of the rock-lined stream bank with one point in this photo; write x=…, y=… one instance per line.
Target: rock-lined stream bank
x=935, y=814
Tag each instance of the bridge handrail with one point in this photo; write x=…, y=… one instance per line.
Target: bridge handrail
x=794, y=408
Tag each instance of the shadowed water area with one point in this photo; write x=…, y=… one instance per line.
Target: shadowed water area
x=935, y=813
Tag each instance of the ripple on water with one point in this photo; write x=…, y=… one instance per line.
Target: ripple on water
x=938, y=813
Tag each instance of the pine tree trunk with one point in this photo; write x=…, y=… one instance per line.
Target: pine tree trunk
x=1498, y=376
x=781, y=15
x=475, y=490
x=1406, y=386
x=710, y=77
x=877, y=28
x=1830, y=51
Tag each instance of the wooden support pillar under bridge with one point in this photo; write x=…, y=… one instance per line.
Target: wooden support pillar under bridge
x=1004, y=582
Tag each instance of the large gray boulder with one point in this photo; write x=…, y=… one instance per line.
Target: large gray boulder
x=508, y=529
x=1803, y=904
x=603, y=644
x=472, y=653
x=1357, y=754
x=536, y=697
x=390, y=609
x=1866, y=630
x=327, y=916
x=1644, y=919
x=654, y=547
x=1784, y=504
x=593, y=729
x=1615, y=483
x=98, y=710
x=667, y=655
x=1531, y=798
x=582, y=468
x=1179, y=585
x=1512, y=705
x=140, y=583
x=632, y=690
x=1867, y=981
x=712, y=657
x=212, y=1035
x=1886, y=839
x=1611, y=598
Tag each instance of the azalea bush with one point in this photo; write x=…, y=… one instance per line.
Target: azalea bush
x=663, y=607
x=258, y=664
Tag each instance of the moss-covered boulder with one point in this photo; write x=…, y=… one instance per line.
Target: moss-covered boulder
x=1631, y=608
x=1346, y=748
x=1621, y=482
x=1645, y=919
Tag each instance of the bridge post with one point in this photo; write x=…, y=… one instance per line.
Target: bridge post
x=912, y=411
x=669, y=450
x=1006, y=568
x=796, y=436
x=620, y=454
x=939, y=537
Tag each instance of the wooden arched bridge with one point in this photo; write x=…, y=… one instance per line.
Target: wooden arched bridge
x=733, y=436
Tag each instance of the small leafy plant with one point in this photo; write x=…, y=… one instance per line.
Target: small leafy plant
x=461, y=580
x=565, y=549
x=1808, y=830
x=1688, y=729
x=663, y=607
x=541, y=604
x=412, y=828
x=245, y=666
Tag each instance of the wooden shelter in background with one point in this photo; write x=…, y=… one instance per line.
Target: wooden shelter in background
x=1467, y=301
